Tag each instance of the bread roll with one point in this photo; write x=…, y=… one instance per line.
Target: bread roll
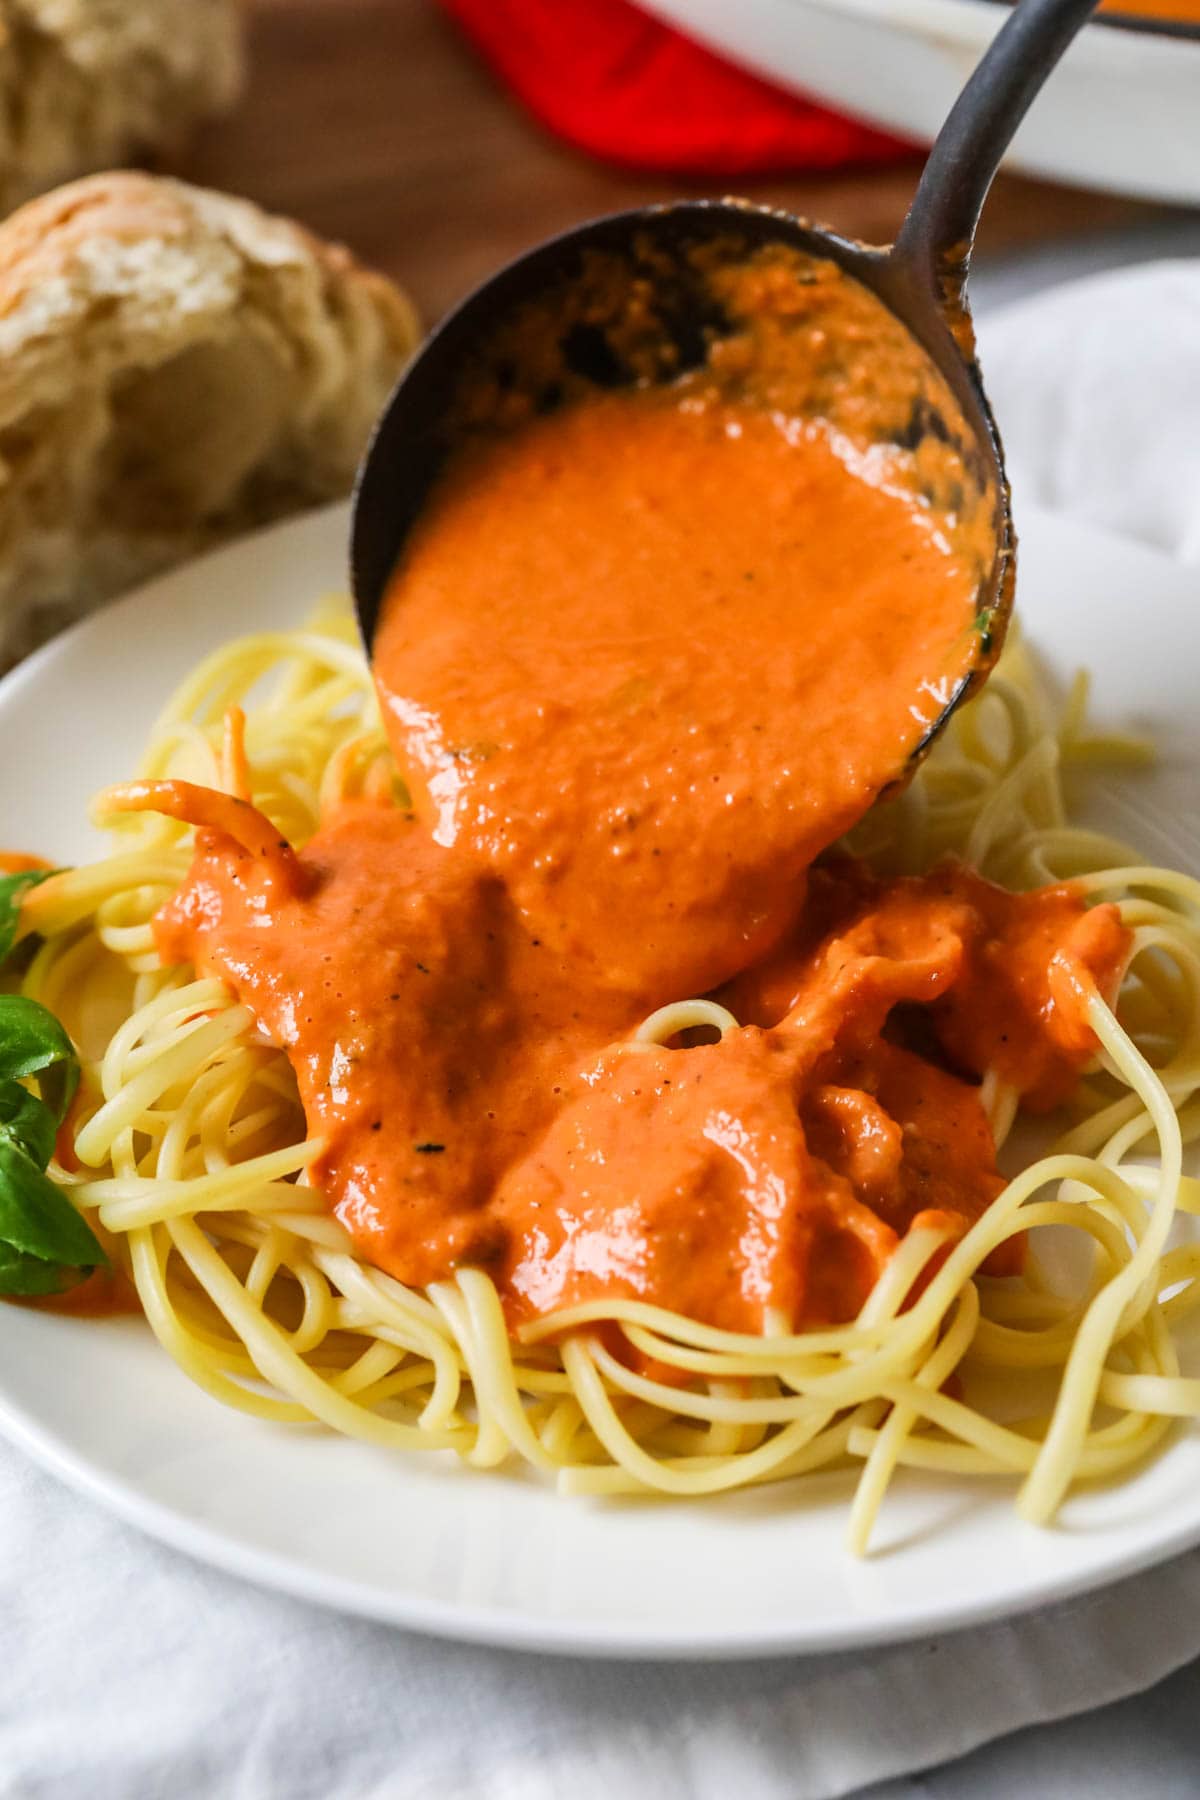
x=175, y=367
x=85, y=84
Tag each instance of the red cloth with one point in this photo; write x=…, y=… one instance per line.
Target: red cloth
x=612, y=81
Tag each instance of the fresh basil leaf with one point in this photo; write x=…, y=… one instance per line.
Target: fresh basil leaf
x=38, y=1219
x=32, y=1279
x=32, y=1042
x=26, y=1122
x=12, y=887
x=44, y=1243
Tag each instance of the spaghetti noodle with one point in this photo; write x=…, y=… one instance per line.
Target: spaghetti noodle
x=187, y=1148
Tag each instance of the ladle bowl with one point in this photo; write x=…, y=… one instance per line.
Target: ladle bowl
x=628, y=298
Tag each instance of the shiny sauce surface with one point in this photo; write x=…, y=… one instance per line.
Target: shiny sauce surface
x=645, y=659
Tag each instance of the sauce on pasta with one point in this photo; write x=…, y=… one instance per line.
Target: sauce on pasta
x=644, y=661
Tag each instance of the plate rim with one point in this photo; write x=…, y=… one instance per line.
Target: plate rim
x=507, y=1629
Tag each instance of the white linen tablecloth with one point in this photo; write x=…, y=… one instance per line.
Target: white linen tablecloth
x=131, y=1673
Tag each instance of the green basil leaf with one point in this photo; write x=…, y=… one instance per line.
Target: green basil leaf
x=27, y=1122
x=38, y=1219
x=32, y=1042
x=32, y=1279
x=11, y=889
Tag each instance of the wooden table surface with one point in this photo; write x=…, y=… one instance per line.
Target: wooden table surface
x=373, y=122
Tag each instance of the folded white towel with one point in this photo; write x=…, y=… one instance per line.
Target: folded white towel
x=1097, y=388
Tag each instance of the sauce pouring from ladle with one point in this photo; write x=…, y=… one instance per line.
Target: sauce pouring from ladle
x=675, y=546
x=640, y=297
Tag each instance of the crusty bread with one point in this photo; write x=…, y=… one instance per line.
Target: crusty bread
x=85, y=84
x=175, y=366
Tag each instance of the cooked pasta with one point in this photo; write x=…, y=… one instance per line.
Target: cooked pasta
x=186, y=1148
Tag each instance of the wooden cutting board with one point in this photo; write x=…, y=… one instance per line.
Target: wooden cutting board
x=373, y=122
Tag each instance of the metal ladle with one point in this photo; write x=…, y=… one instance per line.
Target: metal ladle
x=465, y=377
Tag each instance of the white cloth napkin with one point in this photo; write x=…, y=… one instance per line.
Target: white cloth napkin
x=129, y=1671
x=1096, y=385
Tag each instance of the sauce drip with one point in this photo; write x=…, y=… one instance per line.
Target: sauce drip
x=645, y=658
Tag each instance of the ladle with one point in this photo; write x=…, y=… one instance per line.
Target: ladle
x=472, y=369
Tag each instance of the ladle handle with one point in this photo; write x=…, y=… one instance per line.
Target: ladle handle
x=939, y=230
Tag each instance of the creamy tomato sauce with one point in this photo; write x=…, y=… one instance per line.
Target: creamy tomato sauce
x=1181, y=11
x=644, y=660
x=717, y=683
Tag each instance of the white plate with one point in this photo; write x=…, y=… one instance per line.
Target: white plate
x=1121, y=112
x=495, y=1557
